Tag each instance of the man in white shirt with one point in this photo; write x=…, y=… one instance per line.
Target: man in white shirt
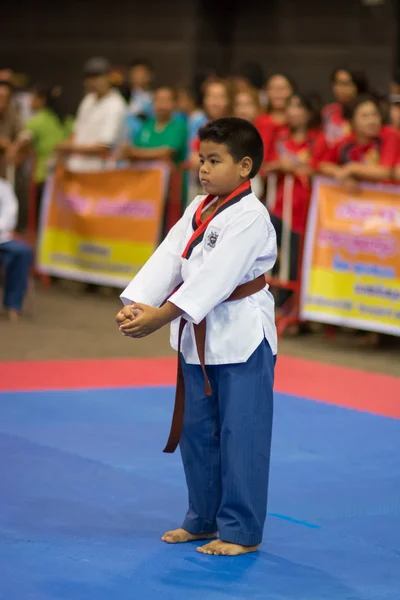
x=15, y=256
x=208, y=278
x=99, y=122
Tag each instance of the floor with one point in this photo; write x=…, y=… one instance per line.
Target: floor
x=86, y=492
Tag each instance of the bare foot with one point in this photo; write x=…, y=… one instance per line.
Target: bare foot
x=180, y=536
x=221, y=548
x=12, y=315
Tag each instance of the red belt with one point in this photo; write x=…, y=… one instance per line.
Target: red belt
x=242, y=291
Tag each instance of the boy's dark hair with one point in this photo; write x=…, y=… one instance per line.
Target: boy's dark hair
x=239, y=136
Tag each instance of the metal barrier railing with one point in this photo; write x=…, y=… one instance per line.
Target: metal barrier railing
x=289, y=313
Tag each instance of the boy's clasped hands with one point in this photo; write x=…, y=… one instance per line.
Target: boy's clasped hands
x=138, y=320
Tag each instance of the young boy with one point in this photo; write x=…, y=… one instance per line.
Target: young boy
x=211, y=268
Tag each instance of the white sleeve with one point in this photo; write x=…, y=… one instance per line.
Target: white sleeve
x=8, y=208
x=247, y=239
x=162, y=272
x=112, y=126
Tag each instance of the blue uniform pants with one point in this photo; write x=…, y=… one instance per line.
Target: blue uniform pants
x=16, y=259
x=226, y=446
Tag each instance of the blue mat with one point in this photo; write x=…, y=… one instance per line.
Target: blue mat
x=85, y=494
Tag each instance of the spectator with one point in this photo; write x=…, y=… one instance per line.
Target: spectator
x=369, y=152
x=188, y=109
x=141, y=98
x=246, y=105
x=394, y=111
x=346, y=86
x=22, y=97
x=217, y=103
x=162, y=137
x=10, y=125
x=43, y=132
x=278, y=88
x=99, y=123
x=297, y=152
x=6, y=74
x=15, y=256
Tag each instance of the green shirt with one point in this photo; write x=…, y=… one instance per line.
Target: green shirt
x=47, y=131
x=172, y=136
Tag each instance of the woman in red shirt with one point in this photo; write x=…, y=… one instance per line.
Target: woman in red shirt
x=246, y=105
x=297, y=153
x=346, y=86
x=370, y=152
x=278, y=88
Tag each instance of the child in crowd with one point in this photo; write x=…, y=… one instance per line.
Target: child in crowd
x=188, y=108
x=15, y=256
x=297, y=152
x=217, y=103
x=46, y=128
x=346, y=86
x=211, y=268
x=246, y=105
x=279, y=88
x=141, y=96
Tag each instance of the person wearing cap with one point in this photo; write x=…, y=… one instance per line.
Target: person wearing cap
x=99, y=122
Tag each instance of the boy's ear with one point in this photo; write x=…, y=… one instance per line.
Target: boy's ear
x=246, y=166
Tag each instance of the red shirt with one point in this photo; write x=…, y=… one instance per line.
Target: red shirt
x=310, y=153
x=382, y=150
x=269, y=130
x=196, y=145
x=267, y=120
x=335, y=126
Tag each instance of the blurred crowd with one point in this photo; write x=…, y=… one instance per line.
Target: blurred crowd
x=124, y=116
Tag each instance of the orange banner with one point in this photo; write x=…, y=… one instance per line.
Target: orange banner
x=351, y=265
x=102, y=227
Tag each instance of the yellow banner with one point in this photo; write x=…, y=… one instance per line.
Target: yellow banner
x=351, y=264
x=101, y=227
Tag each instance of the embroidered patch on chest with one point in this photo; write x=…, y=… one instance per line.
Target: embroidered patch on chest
x=212, y=239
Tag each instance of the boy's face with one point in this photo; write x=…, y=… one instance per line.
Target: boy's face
x=219, y=174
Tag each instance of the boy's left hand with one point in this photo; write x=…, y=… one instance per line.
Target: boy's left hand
x=147, y=321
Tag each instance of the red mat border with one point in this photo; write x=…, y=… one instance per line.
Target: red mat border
x=359, y=390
